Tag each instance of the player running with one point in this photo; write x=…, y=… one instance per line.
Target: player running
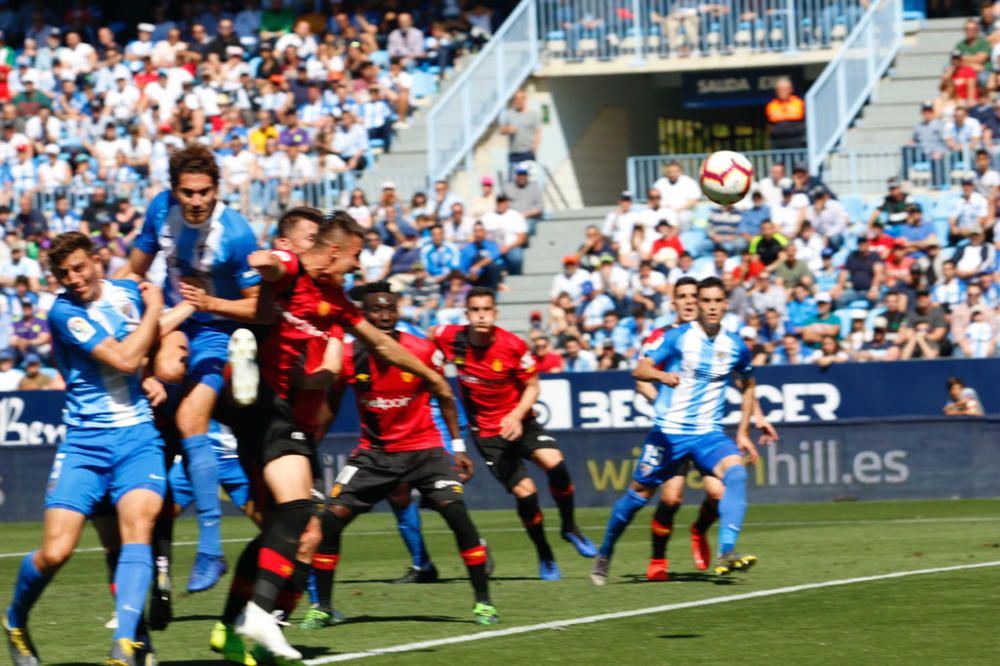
x=700, y=359
x=102, y=331
x=499, y=388
x=205, y=245
x=400, y=444
x=299, y=361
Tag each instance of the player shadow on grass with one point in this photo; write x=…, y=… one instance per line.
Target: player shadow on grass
x=682, y=577
x=439, y=581
x=364, y=619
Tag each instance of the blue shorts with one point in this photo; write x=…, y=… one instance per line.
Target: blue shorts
x=231, y=477
x=664, y=456
x=208, y=351
x=94, y=462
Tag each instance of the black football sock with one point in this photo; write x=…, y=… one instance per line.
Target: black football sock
x=561, y=488
x=473, y=552
x=241, y=587
x=532, y=519
x=327, y=557
x=707, y=514
x=276, y=562
x=662, y=526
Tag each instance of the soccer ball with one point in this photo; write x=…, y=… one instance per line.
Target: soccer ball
x=725, y=177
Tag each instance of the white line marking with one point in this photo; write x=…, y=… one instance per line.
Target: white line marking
x=590, y=619
x=498, y=530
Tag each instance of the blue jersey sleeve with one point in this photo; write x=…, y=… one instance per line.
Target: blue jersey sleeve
x=241, y=245
x=662, y=348
x=148, y=240
x=744, y=361
x=72, y=326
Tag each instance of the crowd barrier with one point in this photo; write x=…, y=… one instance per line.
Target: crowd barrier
x=853, y=459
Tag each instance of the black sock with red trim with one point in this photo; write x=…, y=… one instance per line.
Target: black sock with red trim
x=276, y=562
x=532, y=519
x=473, y=552
x=242, y=585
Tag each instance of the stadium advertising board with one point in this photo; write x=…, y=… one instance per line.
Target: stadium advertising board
x=593, y=400
x=715, y=88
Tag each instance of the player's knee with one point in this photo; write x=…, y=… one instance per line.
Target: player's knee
x=292, y=519
x=524, y=488
x=529, y=511
x=671, y=496
x=192, y=417
x=641, y=490
x=52, y=555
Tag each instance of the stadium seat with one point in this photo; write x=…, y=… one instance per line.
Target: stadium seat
x=760, y=34
x=653, y=40
x=872, y=315
x=695, y=241
x=854, y=205
x=846, y=315
x=714, y=37
x=424, y=84
x=777, y=34
x=948, y=252
x=859, y=304
x=839, y=31
x=945, y=204
x=555, y=42
x=743, y=38
x=380, y=58
x=941, y=230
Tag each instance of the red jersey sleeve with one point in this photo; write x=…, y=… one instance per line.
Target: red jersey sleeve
x=349, y=315
x=526, y=365
x=290, y=262
x=347, y=366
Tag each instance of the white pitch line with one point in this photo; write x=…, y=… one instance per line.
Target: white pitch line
x=590, y=619
x=498, y=530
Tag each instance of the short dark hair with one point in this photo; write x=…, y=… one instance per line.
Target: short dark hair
x=955, y=381
x=359, y=292
x=338, y=223
x=288, y=219
x=686, y=280
x=66, y=244
x=711, y=282
x=479, y=292
x=193, y=158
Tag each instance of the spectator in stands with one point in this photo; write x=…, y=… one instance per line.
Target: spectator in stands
x=804, y=183
x=949, y=290
x=608, y=357
x=525, y=196
x=765, y=295
x=930, y=137
x=770, y=186
x=546, y=360
x=421, y=298
x=970, y=211
x=36, y=380
x=768, y=245
x=570, y=281
x=438, y=257
x=980, y=338
x=790, y=271
x=786, y=117
x=828, y=216
x=510, y=231
x=790, y=351
x=893, y=209
x=406, y=42
x=918, y=344
x=667, y=248
x=810, y=247
x=800, y=309
x=681, y=26
x=991, y=125
x=917, y=233
x=963, y=132
x=613, y=280
x=975, y=50
x=987, y=180
x=480, y=259
x=723, y=228
x=443, y=200
x=633, y=330
x=375, y=258
x=898, y=267
x=655, y=212
x=351, y=142
x=621, y=222
x=19, y=265
x=991, y=290
x=828, y=353
x=578, y=359
x=879, y=348
x=30, y=222
x=595, y=246
x=487, y=199
x=10, y=376
x=788, y=213
x=524, y=127
x=752, y=217
x=975, y=258
x=678, y=192
x=458, y=226
x=926, y=316
x=456, y=290
x=31, y=334
x=823, y=324
x=593, y=307
x=964, y=399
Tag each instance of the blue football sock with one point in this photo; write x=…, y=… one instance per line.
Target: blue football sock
x=732, y=508
x=29, y=586
x=312, y=589
x=132, y=580
x=622, y=513
x=408, y=522
x=203, y=472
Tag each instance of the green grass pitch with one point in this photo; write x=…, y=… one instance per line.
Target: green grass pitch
x=936, y=618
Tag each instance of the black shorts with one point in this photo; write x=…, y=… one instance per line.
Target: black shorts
x=370, y=475
x=505, y=459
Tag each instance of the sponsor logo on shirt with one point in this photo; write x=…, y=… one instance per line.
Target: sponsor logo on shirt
x=385, y=404
x=497, y=365
x=81, y=329
x=406, y=377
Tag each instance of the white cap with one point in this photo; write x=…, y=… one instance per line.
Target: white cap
x=388, y=185
x=748, y=332
x=52, y=149
x=234, y=50
x=824, y=297
x=146, y=27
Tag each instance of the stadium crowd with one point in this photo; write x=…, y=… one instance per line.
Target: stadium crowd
x=289, y=95
x=808, y=282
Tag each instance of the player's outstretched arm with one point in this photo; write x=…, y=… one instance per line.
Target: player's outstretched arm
x=243, y=310
x=646, y=371
x=128, y=355
x=392, y=352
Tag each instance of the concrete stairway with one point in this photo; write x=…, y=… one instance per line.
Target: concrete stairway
x=555, y=237
x=889, y=119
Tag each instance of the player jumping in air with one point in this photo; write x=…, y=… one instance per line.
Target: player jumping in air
x=685, y=303
x=699, y=359
x=299, y=361
x=102, y=331
x=400, y=444
x=205, y=246
x=496, y=372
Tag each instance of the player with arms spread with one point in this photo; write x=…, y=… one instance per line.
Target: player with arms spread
x=299, y=361
x=400, y=444
x=496, y=372
x=685, y=303
x=699, y=360
x=102, y=331
x=205, y=245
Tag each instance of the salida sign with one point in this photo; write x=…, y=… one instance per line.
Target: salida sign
x=736, y=87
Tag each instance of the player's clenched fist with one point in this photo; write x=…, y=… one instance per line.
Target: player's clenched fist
x=152, y=296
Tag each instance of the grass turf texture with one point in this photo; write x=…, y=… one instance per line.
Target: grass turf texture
x=937, y=618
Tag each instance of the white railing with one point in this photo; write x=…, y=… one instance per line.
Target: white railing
x=479, y=94
x=604, y=29
x=847, y=82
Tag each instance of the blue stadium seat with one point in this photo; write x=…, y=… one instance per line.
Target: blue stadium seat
x=380, y=58
x=947, y=253
x=872, y=314
x=859, y=304
x=424, y=84
x=941, y=230
x=944, y=205
x=846, y=315
x=854, y=205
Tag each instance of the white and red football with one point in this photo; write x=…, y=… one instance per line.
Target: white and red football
x=725, y=177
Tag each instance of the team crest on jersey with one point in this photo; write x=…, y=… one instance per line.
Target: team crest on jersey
x=459, y=360
x=323, y=309
x=362, y=377
x=497, y=365
x=406, y=377
x=81, y=329
x=720, y=355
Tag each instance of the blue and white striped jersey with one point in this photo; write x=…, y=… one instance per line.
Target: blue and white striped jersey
x=215, y=252
x=706, y=366
x=97, y=395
